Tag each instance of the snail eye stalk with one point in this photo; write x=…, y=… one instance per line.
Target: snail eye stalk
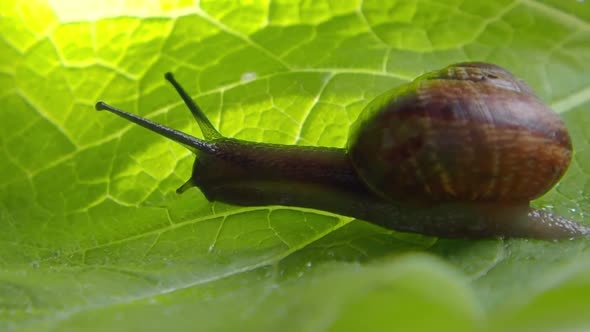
x=190, y=142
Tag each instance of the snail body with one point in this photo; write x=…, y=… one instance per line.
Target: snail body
x=458, y=152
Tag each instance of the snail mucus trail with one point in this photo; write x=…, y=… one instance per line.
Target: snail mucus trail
x=397, y=170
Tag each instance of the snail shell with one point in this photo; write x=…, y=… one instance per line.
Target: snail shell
x=468, y=132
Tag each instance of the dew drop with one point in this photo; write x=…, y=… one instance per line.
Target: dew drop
x=249, y=76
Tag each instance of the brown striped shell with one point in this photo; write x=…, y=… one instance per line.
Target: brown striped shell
x=470, y=131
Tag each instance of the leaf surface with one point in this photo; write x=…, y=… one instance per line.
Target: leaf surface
x=93, y=237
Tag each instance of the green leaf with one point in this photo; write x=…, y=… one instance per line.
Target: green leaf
x=93, y=237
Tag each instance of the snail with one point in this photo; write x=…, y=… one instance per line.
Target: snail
x=458, y=152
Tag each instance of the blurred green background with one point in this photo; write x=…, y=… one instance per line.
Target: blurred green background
x=93, y=237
